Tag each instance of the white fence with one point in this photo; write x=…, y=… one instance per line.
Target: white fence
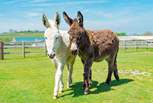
x=136, y=41
x=26, y=48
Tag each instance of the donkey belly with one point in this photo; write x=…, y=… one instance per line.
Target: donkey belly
x=98, y=59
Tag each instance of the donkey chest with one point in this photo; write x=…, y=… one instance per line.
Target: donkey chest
x=93, y=53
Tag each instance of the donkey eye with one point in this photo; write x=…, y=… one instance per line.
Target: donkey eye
x=45, y=38
x=56, y=38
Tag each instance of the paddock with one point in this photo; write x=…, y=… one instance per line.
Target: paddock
x=31, y=79
x=28, y=75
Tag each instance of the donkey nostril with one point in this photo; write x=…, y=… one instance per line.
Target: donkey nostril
x=74, y=52
x=51, y=56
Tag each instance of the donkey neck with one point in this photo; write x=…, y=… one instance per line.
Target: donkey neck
x=64, y=43
x=85, y=45
x=65, y=37
x=85, y=40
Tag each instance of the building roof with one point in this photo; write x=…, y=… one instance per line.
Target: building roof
x=135, y=37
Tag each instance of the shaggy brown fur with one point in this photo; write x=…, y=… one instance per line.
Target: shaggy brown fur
x=93, y=46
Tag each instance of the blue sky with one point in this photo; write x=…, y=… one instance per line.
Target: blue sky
x=131, y=16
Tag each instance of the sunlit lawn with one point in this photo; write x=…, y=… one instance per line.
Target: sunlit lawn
x=31, y=80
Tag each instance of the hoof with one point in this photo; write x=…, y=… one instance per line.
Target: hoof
x=118, y=79
x=69, y=86
x=61, y=92
x=86, y=92
x=90, y=83
x=55, y=97
x=107, y=82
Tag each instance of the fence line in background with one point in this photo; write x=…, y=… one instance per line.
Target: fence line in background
x=126, y=44
x=1, y=50
x=23, y=46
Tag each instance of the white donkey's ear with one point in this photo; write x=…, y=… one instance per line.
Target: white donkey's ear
x=45, y=21
x=57, y=19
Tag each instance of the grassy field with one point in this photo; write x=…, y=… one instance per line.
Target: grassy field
x=7, y=37
x=31, y=80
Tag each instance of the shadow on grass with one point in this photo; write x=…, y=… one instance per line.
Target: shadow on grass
x=103, y=87
x=77, y=88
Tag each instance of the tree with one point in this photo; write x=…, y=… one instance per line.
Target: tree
x=147, y=33
x=121, y=34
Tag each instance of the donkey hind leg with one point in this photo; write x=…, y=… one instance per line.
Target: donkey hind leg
x=109, y=75
x=58, y=75
x=69, y=78
x=116, y=70
x=112, y=67
x=110, y=62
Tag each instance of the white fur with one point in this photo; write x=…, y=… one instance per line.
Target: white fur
x=62, y=52
x=73, y=46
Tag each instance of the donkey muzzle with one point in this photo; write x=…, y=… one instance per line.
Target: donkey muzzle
x=51, y=56
x=74, y=52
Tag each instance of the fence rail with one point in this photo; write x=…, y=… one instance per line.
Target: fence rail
x=136, y=43
x=1, y=50
x=25, y=48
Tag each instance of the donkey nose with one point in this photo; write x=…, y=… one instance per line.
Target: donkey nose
x=74, y=52
x=51, y=55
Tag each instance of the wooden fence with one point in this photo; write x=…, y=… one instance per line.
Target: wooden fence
x=5, y=48
x=1, y=50
x=23, y=47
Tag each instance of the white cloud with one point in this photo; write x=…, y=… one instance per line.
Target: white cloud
x=32, y=14
x=43, y=3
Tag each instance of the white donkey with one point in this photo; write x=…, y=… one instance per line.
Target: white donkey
x=57, y=43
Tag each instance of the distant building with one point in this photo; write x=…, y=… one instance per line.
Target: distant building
x=145, y=38
x=34, y=41
x=28, y=39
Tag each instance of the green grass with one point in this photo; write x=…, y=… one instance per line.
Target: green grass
x=31, y=80
x=7, y=37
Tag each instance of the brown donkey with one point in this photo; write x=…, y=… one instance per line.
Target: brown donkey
x=93, y=46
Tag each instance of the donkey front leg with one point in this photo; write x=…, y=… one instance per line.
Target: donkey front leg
x=70, y=71
x=90, y=77
x=58, y=76
x=87, y=67
x=61, y=84
x=90, y=74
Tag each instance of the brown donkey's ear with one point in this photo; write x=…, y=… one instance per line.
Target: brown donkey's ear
x=80, y=18
x=57, y=19
x=45, y=21
x=67, y=18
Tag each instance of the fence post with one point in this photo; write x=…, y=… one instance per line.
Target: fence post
x=136, y=45
x=23, y=49
x=147, y=45
x=1, y=50
x=125, y=45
